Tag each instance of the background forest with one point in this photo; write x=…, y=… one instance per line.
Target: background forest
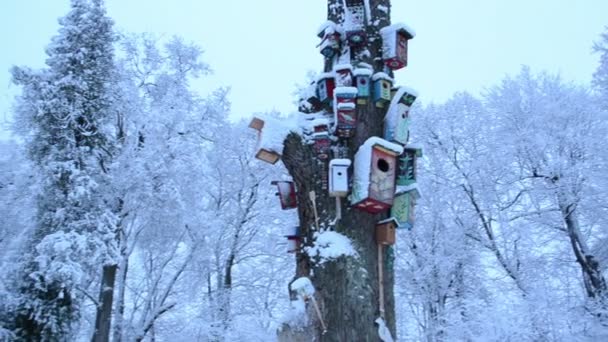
x=123, y=172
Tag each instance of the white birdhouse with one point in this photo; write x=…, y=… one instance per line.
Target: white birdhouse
x=338, y=177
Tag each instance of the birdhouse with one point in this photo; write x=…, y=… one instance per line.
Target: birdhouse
x=408, y=160
x=403, y=206
x=330, y=33
x=386, y=231
x=362, y=78
x=257, y=124
x=263, y=153
x=345, y=114
x=325, y=88
x=394, y=45
x=338, y=177
x=344, y=75
x=268, y=156
x=374, y=175
x=382, y=89
x=321, y=139
x=397, y=120
x=286, y=193
x=354, y=22
x=294, y=239
x=309, y=101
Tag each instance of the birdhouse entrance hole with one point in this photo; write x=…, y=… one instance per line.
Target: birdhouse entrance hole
x=383, y=165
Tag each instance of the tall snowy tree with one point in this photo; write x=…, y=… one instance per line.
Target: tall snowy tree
x=63, y=114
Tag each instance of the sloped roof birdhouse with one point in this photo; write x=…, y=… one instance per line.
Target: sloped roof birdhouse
x=362, y=81
x=331, y=34
x=338, y=177
x=374, y=175
x=404, y=205
x=325, y=87
x=382, y=84
x=386, y=231
x=354, y=23
x=396, y=122
x=265, y=151
x=394, y=45
x=345, y=114
x=407, y=166
x=287, y=194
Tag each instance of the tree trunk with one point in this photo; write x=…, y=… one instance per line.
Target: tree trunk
x=347, y=289
x=103, y=320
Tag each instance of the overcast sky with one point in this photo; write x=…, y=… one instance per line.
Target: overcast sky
x=262, y=48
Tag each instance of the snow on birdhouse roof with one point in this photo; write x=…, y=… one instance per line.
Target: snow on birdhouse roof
x=303, y=286
x=362, y=168
x=390, y=219
x=398, y=27
x=343, y=67
x=346, y=106
x=339, y=162
x=381, y=76
x=362, y=72
x=401, y=189
x=414, y=146
x=392, y=114
x=345, y=90
x=325, y=75
x=373, y=141
x=328, y=27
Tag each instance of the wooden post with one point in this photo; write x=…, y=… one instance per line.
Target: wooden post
x=381, y=279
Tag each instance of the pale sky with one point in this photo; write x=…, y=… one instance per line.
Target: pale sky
x=262, y=48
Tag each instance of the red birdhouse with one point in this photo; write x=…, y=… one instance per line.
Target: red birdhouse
x=325, y=87
x=386, y=231
x=286, y=193
x=374, y=175
x=344, y=75
x=322, y=141
x=345, y=114
x=294, y=239
x=394, y=45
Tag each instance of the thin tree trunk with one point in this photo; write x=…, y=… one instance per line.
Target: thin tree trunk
x=103, y=320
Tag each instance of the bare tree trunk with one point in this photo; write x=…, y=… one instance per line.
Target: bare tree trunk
x=347, y=289
x=103, y=320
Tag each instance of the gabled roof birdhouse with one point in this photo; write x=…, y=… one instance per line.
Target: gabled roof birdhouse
x=382, y=89
x=286, y=193
x=403, y=207
x=325, y=87
x=396, y=122
x=374, y=175
x=330, y=33
x=394, y=45
x=338, y=177
x=385, y=231
x=362, y=78
x=407, y=166
x=345, y=114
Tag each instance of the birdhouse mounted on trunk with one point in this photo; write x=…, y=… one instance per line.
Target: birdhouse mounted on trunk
x=294, y=239
x=386, y=231
x=322, y=140
x=394, y=45
x=264, y=153
x=286, y=193
x=331, y=34
x=404, y=205
x=374, y=175
x=362, y=80
x=343, y=75
x=345, y=114
x=408, y=161
x=325, y=87
x=397, y=120
x=382, y=89
x=338, y=177
x=354, y=23
x=310, y=103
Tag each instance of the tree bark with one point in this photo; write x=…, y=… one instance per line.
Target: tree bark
x=103, y=320
x=347, y=289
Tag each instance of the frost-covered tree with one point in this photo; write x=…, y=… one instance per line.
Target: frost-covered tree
x=600, y=77
x=63, y=114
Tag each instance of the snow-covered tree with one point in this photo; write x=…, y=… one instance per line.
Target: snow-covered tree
x=63, y=114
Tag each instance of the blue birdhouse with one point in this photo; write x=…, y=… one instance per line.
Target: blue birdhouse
x=362, y=82
x=397, y=120
x=382, y=89
x=403, y=206
x=331, y=34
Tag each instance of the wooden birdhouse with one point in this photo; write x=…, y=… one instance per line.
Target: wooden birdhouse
x=386, y=231
x=343, y=75
x=397, y=120
x=331, y=34
x=362, y=79
x=287, y=194
x=338, y=177
x=407, y=165
x=294, y=239
x=374, y=175
x=263, y=153
x=345, y=114
x=382, y=84
x=321, y=139
x=325, y=88
x=404, y=205
x=354, y=22
x=394, y=45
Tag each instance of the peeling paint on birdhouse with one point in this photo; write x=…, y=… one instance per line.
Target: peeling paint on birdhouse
x=382, y=84
x=345, y=114
x=407, y=166
x=343, y=75
x=338, y=177
x=394, y=45
x=374, y=175
x=286, y=193
x=386, y=231
x=330, y=33
x=397, y=120
x=362, y=81
x=404, y=206
x=326, y=84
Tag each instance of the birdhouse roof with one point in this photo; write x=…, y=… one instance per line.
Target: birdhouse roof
x=343, y=67
x=362, y=72
x=392, y=114
x=345, y=90
x=398, y=27
x=375, y=141
x=388, y=220
x=340, y=162
x=328, y=27
x=381, y=76
x=413, y=188
x=326, y=75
